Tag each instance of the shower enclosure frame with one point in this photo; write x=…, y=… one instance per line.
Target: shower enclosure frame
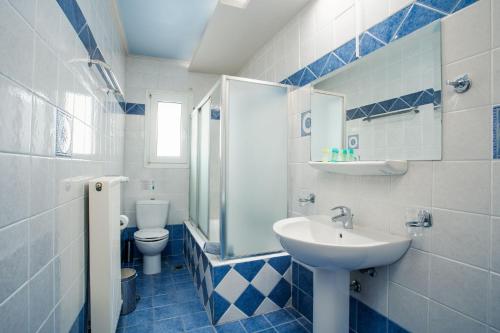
x=225, y=115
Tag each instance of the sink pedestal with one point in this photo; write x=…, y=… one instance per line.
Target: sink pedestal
x=331, y=301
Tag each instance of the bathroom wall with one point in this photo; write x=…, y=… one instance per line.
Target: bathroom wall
x=49, y=104
x=145, y=73
x=450, y=278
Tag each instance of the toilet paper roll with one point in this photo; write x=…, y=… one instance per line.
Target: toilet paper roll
x=123, y=221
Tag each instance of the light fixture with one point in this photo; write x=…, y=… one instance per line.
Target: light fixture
x=236, y=3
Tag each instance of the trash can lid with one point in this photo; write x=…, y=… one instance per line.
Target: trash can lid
x=128, y=273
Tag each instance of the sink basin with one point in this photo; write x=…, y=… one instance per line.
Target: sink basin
x=332, y=252
x=318, y=242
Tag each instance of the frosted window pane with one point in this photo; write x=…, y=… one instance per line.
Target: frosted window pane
x=169, y=130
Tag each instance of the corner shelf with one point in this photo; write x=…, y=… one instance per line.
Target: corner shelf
x=363, y=168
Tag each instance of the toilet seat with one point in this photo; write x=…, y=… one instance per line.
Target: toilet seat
x=151, y=235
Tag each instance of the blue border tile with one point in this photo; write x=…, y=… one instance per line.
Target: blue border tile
x=135, y=108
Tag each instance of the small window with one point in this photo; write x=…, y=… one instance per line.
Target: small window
x=166, y=129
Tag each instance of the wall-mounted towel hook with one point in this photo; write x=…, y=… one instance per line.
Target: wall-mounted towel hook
x=461, y=84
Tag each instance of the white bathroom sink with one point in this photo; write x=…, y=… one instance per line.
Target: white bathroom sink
x=320, y=243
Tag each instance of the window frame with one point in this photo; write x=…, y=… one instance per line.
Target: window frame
x=151, y=159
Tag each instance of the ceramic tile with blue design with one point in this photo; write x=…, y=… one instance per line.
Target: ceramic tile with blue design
x=64, y=134
x=305, y=123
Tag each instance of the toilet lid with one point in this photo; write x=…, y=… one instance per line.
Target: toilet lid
x=151, y=234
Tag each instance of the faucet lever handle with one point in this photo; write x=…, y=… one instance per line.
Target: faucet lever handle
x=342, y=210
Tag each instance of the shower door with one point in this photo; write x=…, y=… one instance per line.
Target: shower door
x=253, y=165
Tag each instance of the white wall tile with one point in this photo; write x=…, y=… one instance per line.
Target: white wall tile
x=460, y=287
x=464, y=40
x=443, y=319
x=15, y=112
x=26, y=8
x=495, y=14
x=462, y=186
x=467, y=135
x=451, y=234
x=495, y=244
x=45, y=72
x=402, y=302
x=17, y=34
x=14, y=312
x=47, y=22
x=494, y=309
x=479, y=69
x=16, y=183
x=43, y=129
x=495, y=98
x=375, y=296
x=412, y=271
x=13, y=258
x=415, y=187
x=41, y=291
x=42, y=184
x=41, y=241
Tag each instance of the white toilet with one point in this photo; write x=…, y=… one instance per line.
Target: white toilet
x=152, y=237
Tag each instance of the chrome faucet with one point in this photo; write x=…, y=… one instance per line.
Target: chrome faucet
x=345, y=216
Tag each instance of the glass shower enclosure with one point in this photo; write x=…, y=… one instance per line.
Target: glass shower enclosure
x=238, y=167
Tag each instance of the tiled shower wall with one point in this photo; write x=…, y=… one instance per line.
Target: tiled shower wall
x=43, y=212
x=450, y=279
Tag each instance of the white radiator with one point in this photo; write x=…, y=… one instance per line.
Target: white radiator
x=104, y=253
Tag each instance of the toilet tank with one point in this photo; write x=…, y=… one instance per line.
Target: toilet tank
x=151, y=213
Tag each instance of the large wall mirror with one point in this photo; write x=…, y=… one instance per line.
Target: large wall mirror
x=384, y=106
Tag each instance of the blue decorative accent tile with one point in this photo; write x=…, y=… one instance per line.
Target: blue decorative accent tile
x=395, y=328
x=377, y=109
x=368, y=44
x=98, y=55
x=64, y=134
x=249, y=269
x=279, y=317
x=446, y=6
x=296, y=77
x=398, y=105
x=417, y=18
x=462, y=4
x=386, y=29
x=220, y=305
x=370, y=321
x=305, y=123
x=219, y=273
x=411, y=99
x=135, y=108
x=73, y=13
x=281, y=293
x=254, y=324
x=333, y=63
x=88, y=40
x=280, y=264
x=307, y=77
x=306, y=280
x=250, y=300
x=305, y=304
x=346, y=52
x=215, y=114
x=496, y=132
x=353, y=313
x=317, y=66
x=367, y=109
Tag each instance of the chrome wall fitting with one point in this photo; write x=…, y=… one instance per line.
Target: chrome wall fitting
x=372, y=272
x=311, y=198
x=424, y=220
x=355, y=286
x=461, y=84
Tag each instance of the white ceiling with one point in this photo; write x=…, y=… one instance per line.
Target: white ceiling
x=233, y=35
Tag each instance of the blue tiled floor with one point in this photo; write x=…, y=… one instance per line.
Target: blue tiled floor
x=169, y=303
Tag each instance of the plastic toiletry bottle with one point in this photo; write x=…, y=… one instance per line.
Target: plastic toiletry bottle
x=343, y=156
x=335, y=155
x=325, y=157
x=352, y=155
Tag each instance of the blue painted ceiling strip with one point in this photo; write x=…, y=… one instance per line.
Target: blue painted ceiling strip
x=400, y=24
x=77, y=20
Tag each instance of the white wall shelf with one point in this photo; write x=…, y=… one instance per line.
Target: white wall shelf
x=363, y=168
